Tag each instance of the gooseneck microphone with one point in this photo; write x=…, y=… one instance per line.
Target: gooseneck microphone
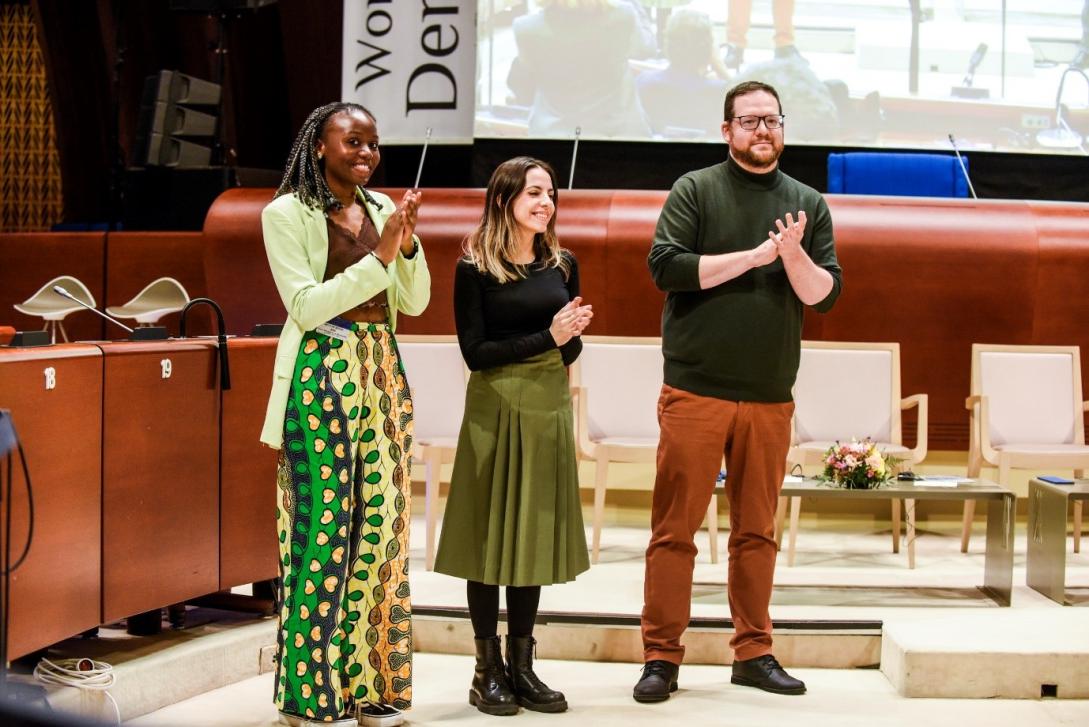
x=963, y=169
x=61, y=291
x=423, y=155
x=221, y=338
x=574, y=158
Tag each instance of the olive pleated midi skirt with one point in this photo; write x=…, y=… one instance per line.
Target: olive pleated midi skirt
x=513, y=517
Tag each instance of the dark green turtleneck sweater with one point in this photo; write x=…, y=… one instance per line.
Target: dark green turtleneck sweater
x=740, y=340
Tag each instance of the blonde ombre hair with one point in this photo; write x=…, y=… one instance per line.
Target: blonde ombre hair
x=491, y=247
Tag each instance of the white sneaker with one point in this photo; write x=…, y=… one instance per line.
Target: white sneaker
x=379, y=715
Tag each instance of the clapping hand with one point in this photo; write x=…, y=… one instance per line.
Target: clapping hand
x=410, y=206
x=788, y=239
x=764, y=253
x=397, y=232
x=570, y=321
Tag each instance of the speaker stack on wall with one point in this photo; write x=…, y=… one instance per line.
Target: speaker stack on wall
x=178, y=122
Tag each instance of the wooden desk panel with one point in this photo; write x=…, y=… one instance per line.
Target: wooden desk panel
x=160, y=488
x=56, y=592
x=247, y=536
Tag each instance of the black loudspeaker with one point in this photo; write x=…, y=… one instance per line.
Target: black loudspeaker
x=178, y=121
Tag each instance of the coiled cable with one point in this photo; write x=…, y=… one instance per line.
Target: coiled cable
x=79, y=673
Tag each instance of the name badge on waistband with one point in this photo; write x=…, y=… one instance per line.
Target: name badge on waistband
x=333, y=331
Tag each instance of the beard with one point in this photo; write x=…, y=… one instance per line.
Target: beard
x=763, y=158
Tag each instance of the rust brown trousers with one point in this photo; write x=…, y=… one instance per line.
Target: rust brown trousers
x=696, y=431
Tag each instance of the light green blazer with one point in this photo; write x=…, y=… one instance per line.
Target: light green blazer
x=297, y=243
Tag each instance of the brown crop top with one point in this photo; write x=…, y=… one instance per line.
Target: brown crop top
x=346, y=249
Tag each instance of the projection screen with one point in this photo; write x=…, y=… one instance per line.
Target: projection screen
x=998, y=75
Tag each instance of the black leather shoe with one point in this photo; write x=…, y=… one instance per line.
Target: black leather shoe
x=490, y=692
x=764, y=672
x=659, y=680
x=528, y=688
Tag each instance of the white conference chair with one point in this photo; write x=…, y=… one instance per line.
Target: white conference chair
x=616, y=383
x=437, y=376
x=52, y=307
x=852, y=390
x=158, y=298
x=1025, y=412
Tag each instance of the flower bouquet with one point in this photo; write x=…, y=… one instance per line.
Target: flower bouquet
x=857, y=466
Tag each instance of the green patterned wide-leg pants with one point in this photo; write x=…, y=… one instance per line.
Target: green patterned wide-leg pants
x=343, y=514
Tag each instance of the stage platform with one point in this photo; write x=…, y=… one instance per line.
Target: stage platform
x=868, y=634
x=848, y=602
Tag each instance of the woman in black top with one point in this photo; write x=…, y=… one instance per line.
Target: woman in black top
x=513, y=517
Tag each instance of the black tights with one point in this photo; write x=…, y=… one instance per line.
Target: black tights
x=522, y=602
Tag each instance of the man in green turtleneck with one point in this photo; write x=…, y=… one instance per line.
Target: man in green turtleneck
x=740, y=248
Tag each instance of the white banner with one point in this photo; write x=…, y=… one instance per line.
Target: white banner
x=412, y=63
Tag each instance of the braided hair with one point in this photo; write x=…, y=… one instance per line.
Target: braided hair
x=304, y=174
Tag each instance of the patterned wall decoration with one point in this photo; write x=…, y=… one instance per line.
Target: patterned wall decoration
x=30, y=181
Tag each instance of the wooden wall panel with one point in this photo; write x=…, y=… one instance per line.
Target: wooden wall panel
x=446, y=217
x=134, y=259
x=935, y=275
x=160, y=484
x=247, y=536
x=632, y=304
x=236, y=269
x=56, y=592
x=29, y=260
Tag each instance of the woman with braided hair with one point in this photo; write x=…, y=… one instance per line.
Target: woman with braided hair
x=345, y=262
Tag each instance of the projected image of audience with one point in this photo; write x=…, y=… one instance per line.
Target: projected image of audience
x=908, y=74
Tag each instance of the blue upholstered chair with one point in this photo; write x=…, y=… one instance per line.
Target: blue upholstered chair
x=910, y=175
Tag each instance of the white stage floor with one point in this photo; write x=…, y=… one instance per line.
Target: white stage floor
x=600, y=694
x=936, y=636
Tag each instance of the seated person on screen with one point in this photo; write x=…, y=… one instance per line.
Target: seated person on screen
x=572, y=69
x=685, y=98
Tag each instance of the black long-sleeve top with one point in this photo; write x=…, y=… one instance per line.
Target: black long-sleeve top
x=502, y=323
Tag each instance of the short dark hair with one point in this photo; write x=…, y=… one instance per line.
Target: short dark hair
x=742, y=89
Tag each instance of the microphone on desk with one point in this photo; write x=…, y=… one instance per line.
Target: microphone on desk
x=145, y=333
x=221, y=338
x=963, y=169
x=61, y=291
x=966, y=89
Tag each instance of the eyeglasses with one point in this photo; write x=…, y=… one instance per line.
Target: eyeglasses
x=749, y=123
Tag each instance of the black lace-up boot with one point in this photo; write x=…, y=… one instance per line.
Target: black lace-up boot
x=528, y=688
x=490, y=692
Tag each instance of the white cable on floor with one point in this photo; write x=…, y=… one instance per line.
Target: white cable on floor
x=86, y=674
